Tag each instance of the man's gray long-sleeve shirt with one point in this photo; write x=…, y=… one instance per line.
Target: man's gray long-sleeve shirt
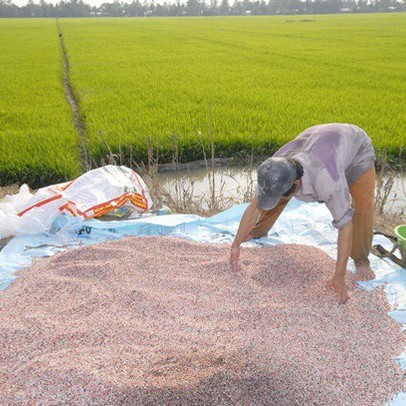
x=333, y=157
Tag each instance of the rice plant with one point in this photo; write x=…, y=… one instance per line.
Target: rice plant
x=244, y=84
x=255, y=81
x=38, y=141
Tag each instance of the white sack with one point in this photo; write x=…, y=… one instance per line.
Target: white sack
x=93, y=194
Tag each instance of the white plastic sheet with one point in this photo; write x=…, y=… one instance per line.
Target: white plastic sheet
x=301, y=223
x=12, y=224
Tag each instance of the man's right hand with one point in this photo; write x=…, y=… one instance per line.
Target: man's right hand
x=337, y=284
x=235, y=258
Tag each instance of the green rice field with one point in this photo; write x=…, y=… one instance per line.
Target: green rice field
x=247, y=83
x=38, y=141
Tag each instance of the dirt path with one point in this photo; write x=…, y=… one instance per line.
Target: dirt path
x=74, y=104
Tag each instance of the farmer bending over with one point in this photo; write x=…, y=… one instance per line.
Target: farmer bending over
x=331, y=164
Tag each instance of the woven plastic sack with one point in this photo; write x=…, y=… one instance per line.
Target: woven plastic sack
x=92, y=195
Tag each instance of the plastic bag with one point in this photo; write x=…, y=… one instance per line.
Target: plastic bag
x=93, y=194
x=11, y=223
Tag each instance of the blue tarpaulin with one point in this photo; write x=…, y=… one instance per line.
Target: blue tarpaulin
x=300, y=223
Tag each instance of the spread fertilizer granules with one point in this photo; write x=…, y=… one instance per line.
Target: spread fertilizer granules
x=164, y=321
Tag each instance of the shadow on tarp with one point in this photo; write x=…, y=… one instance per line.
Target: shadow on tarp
x=300, y=223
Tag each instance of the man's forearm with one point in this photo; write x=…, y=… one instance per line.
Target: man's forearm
x=344, y=247
x=247, y=223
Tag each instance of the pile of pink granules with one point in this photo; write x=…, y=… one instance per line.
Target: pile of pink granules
x=164, y=321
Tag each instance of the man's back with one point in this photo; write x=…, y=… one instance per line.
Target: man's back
x=336, y=147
